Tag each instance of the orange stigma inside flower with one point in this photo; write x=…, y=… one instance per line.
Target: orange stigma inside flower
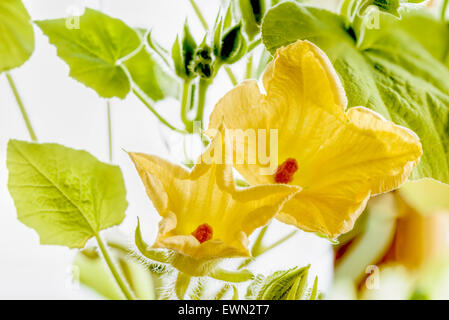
x=203, y=232
x=285, y=171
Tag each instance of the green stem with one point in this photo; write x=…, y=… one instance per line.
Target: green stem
x=150, y=107
x=202, y=90
x=199, y=14
x=253, y=44
x=258, y=249
x=21, y=107
x=185, y=106
x=346, y=10
x=264, y=59
x=108, y=106
x=277, y=243
x=443, y=10
x=112, y=267
x=231, y=75
x=249, y=67
x=258, y=243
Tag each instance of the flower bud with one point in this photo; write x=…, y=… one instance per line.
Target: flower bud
x=201, y=63
x=251, y=12
x=232, y=45
x=183, y=51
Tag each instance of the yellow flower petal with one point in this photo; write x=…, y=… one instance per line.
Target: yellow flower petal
x=343, y=157
x=186, y=200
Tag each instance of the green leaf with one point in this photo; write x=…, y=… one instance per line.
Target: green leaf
x=66, y=195
x=94, y=50
x=426, y=196
x=398, y=71
x=281, y=285
x=150, y=77
x=16, y=34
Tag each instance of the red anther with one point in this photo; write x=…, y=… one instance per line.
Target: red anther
x=285, y=172
x=203, y=233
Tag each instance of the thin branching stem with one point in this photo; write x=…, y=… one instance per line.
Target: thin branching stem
x=114, y=271
x=199, y=14
x=21, y=107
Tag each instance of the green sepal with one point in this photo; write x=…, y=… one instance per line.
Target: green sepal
x=282, y=285
x=231, y=276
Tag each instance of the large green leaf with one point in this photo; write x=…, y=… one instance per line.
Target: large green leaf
x=99, y=52
x=150, y=77
x=66, y=195
x=93, y=50
x=397, y=70
x=16, y=35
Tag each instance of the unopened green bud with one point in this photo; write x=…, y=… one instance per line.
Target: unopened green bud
x=251, y=12
x=183, y=51
x=232, y=45
x=201, y=63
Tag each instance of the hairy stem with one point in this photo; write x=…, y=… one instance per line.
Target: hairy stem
x=21, y=107
x=253, y=44
x=185, y=106
x=151, y=108
x=249, y=67
x=259, y=249
x=202, y=90
x=114, y=271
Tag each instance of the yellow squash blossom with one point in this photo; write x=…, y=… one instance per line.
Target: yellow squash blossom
x=339, y=158
x=203, y=215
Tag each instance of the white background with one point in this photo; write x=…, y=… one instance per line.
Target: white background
x=65, y=111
